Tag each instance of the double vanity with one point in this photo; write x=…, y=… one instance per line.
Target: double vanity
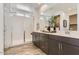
x=57, y=43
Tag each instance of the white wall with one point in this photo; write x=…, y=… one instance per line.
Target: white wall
x=64, y=16
x=1, y=30
x=77, y=17
x=43, y=23
x=28, y=27
x=14, y=30
x=36, y=16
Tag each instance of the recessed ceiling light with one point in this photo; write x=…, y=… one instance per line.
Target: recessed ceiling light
x=43, y=8
x=42, y=13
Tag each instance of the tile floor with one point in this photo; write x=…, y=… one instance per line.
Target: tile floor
x=27, y=49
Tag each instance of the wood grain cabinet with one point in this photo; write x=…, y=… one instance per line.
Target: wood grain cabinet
x=69, y=49
x=40, y=40
x=36, y=39
x=53, y=47
x=70, y=46
x=44, y=42
x=56, y=45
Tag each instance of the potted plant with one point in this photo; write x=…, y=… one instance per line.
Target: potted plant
x=52, y=23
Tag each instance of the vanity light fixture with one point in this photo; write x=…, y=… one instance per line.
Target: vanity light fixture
x=42, y=13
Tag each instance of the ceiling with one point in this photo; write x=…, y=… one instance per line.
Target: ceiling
x=46, y=9
x=56, y=7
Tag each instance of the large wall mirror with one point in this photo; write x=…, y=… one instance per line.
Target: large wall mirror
x=73, y=22
x=57, y=20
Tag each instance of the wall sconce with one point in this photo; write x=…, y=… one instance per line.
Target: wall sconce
x=64, y=23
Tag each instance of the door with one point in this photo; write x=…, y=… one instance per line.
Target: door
x=17, y=30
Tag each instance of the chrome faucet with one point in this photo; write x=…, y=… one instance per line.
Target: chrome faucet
x=67, y=31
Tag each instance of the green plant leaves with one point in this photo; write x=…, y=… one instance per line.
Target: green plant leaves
x=52, y=21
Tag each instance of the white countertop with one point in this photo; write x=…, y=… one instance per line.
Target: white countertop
x=73, y=34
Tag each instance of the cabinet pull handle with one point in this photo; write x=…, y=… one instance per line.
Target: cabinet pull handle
x=59, y=46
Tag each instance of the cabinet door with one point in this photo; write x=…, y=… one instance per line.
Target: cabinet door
x=54, y=46
x=33, y=38
x=36, y=40
x=69, y=49
x=44, y=42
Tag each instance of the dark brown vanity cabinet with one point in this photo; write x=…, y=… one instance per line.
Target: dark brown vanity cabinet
x=69, y=49
x=53, y=47
x=70, y=46
x=59, y=45
x=40, y=40
x=56, y=45
x=44, y=42
x=33, y=38
x=36, y=39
